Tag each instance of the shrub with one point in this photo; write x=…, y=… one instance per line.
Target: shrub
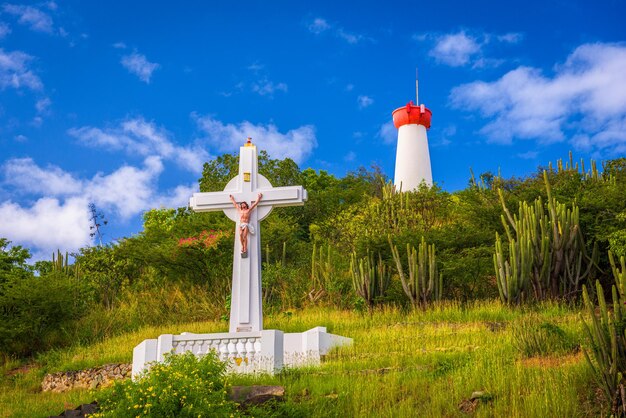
x=37, y=311
x=532, y=337
x=181, y=386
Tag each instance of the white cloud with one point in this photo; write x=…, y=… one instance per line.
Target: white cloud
x=47, y=225
x=119, y=45
x=42, y=105
x=266, y=87
x=364, y=101
x=349, y=37
x=388, y=133
x=31, y=16
x=139, y=65
x=4, y=30
x=15, y=72
x=176, y=198
x=455, y=49
x=585, y=98
x=128, y=189
x=511, y=37
x=58, y=217
x=318, y=25
x=350, y=156
x=463, y=48
x=26, y=176
x=528, y=155
x=140, y=137
x=255, y=66
x=296, y=144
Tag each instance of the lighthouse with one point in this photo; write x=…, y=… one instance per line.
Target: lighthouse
x=412, y=156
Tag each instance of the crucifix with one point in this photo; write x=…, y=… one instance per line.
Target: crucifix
x=246, y=311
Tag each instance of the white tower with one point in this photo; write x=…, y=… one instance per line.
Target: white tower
x=412, y=156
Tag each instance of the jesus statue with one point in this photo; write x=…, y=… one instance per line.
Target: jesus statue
x=244, y=221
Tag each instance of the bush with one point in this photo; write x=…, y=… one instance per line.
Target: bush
x=534, y=338
x=181, y=386
x=37, y=312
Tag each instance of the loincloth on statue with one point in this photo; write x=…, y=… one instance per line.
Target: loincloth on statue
x=244, y=225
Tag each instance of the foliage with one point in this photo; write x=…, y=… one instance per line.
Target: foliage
x=39, y=312
x=535, y=337
x=106, y=273
x=180, y=386
x=406, y=213
x=216, y=173
x=174, y=270
x=12, y=261
x=328, y=275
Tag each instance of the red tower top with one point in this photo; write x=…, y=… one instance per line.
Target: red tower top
x=410, y=114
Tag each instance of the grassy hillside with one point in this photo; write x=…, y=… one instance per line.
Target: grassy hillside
x=402, y=363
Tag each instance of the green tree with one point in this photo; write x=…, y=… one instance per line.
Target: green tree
x=13, y=261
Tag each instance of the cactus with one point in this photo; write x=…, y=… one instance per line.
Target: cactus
x=61, y=264
x=593, y=174
x=323, y=271
x=529, y=227
x=423, y=283
x=283, y=260
x=370, y=277
x=607, y=346
x=619, y=273
x=559, y=257
x=513, y=274
x=606, y=353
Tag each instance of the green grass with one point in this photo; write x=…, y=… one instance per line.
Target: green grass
x=402, y=363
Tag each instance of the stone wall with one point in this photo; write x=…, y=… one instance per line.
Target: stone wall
x=85, y=379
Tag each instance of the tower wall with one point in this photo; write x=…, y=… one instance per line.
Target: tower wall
x=412, y=158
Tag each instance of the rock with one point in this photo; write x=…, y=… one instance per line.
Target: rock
x=80, y=412
x=481, y=395
x=495, y=326
x=86, y=379
x=468, y=406
x=255, y=395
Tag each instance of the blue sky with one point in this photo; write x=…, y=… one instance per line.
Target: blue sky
x=120, y=103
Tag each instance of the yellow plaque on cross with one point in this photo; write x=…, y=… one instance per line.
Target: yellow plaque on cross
x=246, y=177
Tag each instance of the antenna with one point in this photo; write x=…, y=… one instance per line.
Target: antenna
x=417, y=99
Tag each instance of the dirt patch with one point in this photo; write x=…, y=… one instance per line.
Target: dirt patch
x=552, y=361
x=21, y=370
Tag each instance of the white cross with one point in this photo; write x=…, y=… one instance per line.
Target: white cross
x=246, y=312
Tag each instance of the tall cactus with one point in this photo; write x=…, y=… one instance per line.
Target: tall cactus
x=61, y=264
x=513, y=273
x=619, y=273
x=606, y=353
x=530, y=226
x=323, y=271
x=370, y=277
x=559, y=257
x=423, y=284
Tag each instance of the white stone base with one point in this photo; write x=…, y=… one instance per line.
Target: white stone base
x=245, y=352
